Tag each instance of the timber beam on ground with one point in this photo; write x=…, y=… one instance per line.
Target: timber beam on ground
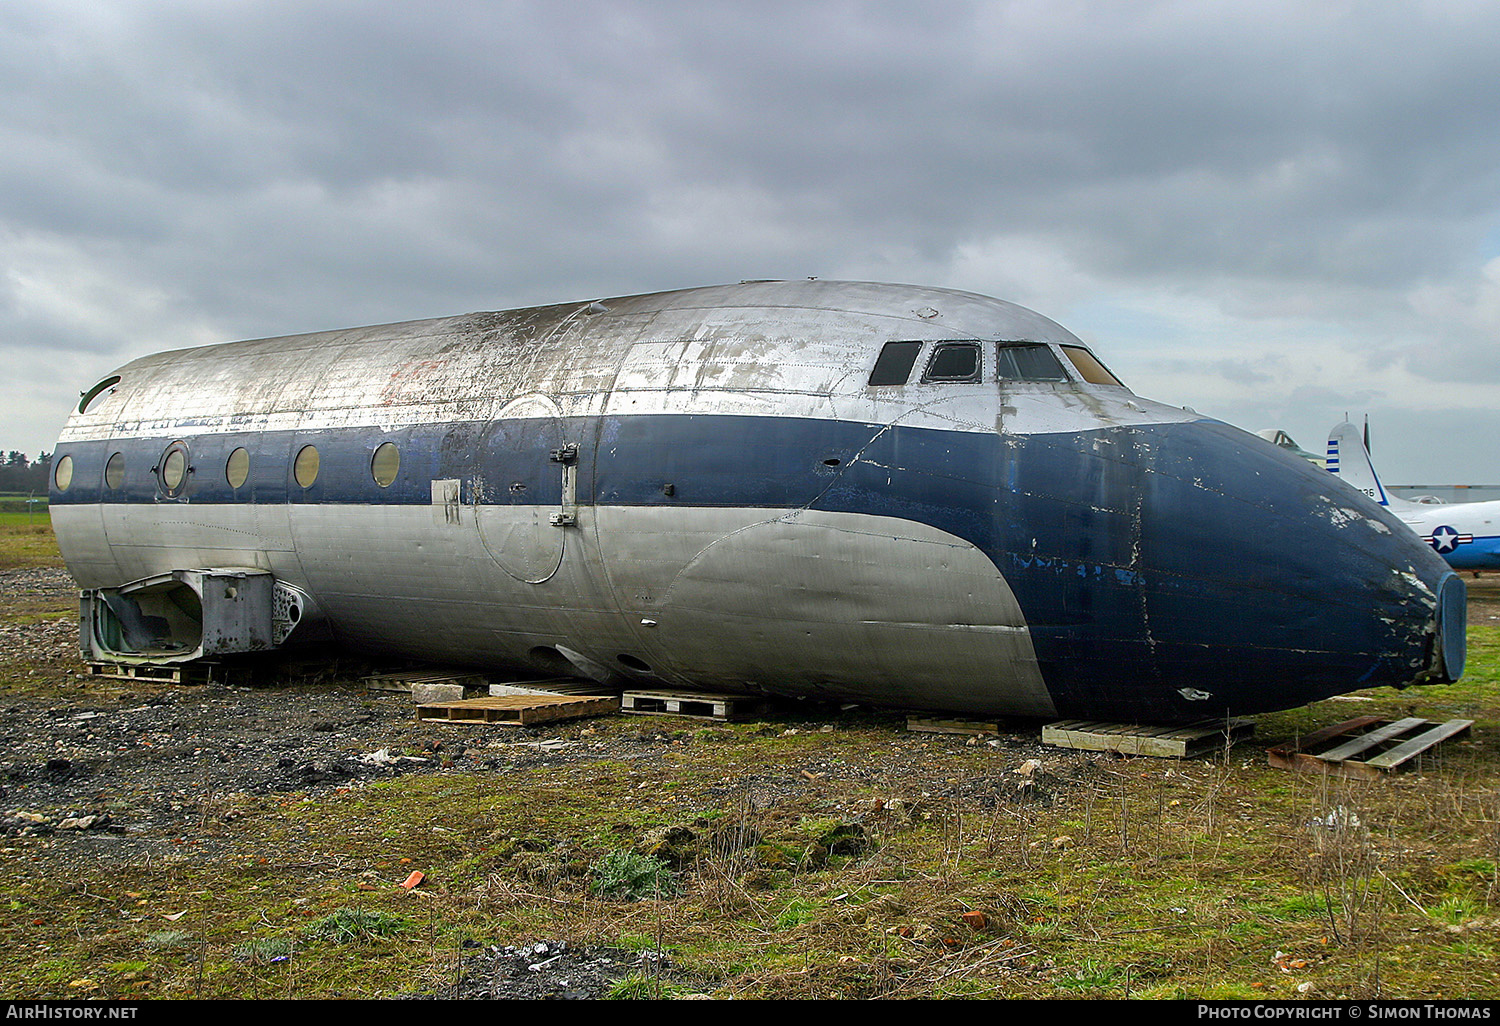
x=518, y=710
x=1177, y=742
x=199, y=671
x=692, y=704
x=408, y=680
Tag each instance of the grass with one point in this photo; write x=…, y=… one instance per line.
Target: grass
x=1199, y=910
x=26, y=540
x=637, y=987
x=629, y=876
x=805, y=865
x=32, y=508
x=357, y=926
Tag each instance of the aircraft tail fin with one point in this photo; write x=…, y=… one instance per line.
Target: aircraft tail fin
x=1350, y=460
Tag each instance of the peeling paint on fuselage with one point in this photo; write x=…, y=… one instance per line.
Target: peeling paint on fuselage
x=747, y=512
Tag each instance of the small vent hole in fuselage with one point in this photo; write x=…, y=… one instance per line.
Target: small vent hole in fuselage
x=630, y=662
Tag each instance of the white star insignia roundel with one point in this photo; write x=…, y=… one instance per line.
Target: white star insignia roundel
x=1446, y=539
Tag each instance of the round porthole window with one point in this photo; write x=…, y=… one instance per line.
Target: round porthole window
x=237, y=470
x=62, y=474
x=114, y=472
x=385, y=464
x=305, y=469
x=173, y=470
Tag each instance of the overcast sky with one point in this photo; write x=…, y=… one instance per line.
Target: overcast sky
x=1274, y=213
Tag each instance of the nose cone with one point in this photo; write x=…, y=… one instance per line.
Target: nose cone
x=1184, y=571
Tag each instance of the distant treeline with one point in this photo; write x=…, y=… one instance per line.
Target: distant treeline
x=19, y=474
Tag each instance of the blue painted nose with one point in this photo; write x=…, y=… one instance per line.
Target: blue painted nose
x=1186, y=571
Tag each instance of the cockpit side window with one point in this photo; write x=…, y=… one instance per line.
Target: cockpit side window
x=1088, y=367
x=953, y=361
x=893, y=367
x=1028, y=361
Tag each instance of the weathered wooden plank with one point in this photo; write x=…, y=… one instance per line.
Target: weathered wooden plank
x=1327, y=733
x=1144, y=739
x=407, y=680
x=1302, y=762
x=198, y=671
x=933, y=725
x=552, y=686
x=1423, y=741
x=692, y=704
x=522, y=710
x=1338, y=761
x=1346, y=751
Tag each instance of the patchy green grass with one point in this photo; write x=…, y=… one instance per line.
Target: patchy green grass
x=357, y=925
x=1183, y=880
x=630, y=876
x=26, y=540
x=849, y=874
x=637, y=987
x=28, y=509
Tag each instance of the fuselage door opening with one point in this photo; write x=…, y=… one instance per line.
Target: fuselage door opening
x=524, y=490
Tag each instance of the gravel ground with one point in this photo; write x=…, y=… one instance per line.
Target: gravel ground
x=114, y=769
x=100, y=772
x=95, y=772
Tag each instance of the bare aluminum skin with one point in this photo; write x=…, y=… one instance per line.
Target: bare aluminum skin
x=700, y=488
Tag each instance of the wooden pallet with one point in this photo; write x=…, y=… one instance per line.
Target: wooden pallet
x=1366, y=747
x=404, y=680
x=1137, y=739
x=692, y=704
x=935, y=725
x=518, y=710
x=194, y=673
x=553, y=686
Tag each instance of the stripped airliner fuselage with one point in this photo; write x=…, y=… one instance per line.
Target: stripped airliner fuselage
x=906, y=496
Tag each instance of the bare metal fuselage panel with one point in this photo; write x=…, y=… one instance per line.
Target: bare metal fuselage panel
x=704, y=488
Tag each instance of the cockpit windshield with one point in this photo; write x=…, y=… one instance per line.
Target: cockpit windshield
x=955, y=361
x=1028, y=361
x=895, y=363
x=1088, y=367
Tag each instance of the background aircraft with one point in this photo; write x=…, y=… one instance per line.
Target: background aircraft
x=1282, y=440
x=1466, y=534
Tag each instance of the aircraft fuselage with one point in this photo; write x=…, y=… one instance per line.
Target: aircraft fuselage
x=739, y=487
